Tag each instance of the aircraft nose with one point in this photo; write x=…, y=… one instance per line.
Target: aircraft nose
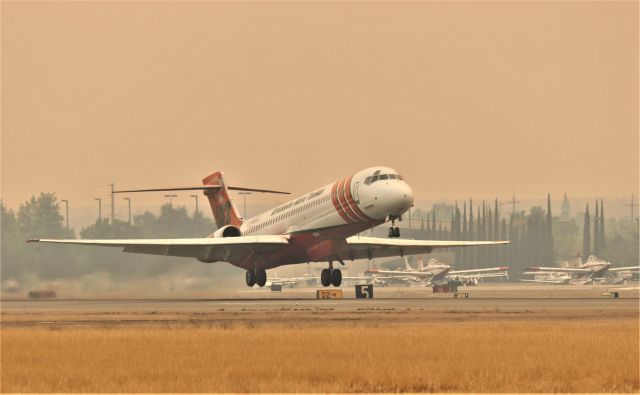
x=401, y=198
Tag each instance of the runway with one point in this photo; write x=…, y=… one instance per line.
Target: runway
x=337, y=305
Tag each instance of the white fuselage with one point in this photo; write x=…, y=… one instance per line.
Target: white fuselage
x=358, y=199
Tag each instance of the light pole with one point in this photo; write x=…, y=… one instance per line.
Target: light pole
x=128, y=199
x=112, y=205
x=66, y=215
x=170, y=201
x=196, y=197
x=244, y=202
x=99, y=208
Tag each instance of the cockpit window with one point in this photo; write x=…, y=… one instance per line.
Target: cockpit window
x=377, y=176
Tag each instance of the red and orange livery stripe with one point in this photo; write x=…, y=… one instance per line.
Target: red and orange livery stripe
x=344, y=203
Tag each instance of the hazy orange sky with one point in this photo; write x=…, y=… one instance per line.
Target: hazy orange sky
x=461, y=98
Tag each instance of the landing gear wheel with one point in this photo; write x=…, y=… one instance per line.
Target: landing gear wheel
x=250, y=277
x=392, y=233
x=261, y=277
x=325, y=277
x=396, y=232
x=336, y=277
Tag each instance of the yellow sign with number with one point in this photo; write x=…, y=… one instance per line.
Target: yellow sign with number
x=329, y=294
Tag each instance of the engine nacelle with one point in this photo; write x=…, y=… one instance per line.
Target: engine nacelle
x=227, y=231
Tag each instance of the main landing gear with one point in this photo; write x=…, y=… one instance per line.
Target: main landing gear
x=331, y=276
x=256, y=276
x=394, y=231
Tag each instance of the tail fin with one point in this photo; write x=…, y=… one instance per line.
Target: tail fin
x=407, y=267
x=224, y=211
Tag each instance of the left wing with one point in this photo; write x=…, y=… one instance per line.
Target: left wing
x=207, y=248
x=375, y=247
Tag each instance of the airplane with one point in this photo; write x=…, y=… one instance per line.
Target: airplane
x=547, y=278
x=319, y=226
x=593, y=270
x=435, y=273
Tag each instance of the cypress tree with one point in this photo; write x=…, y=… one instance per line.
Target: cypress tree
x=496, y=220
x=465, y=235
x=452, y=225
x=503, y=236
x=586, y=235
x=602, y=235
x=596, y=231
x=464, y=222
x=549, y=232
x=471, y=230
x=433, y=224
x=483, y=230
x=476, y=257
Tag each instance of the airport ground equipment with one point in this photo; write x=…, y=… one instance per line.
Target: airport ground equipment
x=364, y=291
x=461, y=295
x=444, y=288
x=329, y=294
x=611, y=294
x=48, y=294
x=276, y=287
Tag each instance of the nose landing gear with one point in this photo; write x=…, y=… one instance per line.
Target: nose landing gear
x=394, y=231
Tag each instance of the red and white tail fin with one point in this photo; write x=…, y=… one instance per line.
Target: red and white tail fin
x=224, y=212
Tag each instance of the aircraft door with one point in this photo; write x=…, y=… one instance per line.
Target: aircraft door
x=355, y=192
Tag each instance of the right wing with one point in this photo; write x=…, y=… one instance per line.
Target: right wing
x=559, y=270
x=209, y=249
x=471, y=272
x=398, y=273
x=376, y=247
x=625, y=269
x=559, y=281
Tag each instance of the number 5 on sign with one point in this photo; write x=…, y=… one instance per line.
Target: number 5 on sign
x=364, y=291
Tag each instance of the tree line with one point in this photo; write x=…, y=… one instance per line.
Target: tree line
x=538, y=238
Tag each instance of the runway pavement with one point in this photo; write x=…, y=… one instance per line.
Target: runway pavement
x=338, y=305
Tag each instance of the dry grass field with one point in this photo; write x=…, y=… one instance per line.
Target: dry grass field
x=481, y=356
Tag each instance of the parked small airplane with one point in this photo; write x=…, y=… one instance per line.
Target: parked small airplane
x=316, y=227
x=593, y=270
x=547, y=277
x=435, y=272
